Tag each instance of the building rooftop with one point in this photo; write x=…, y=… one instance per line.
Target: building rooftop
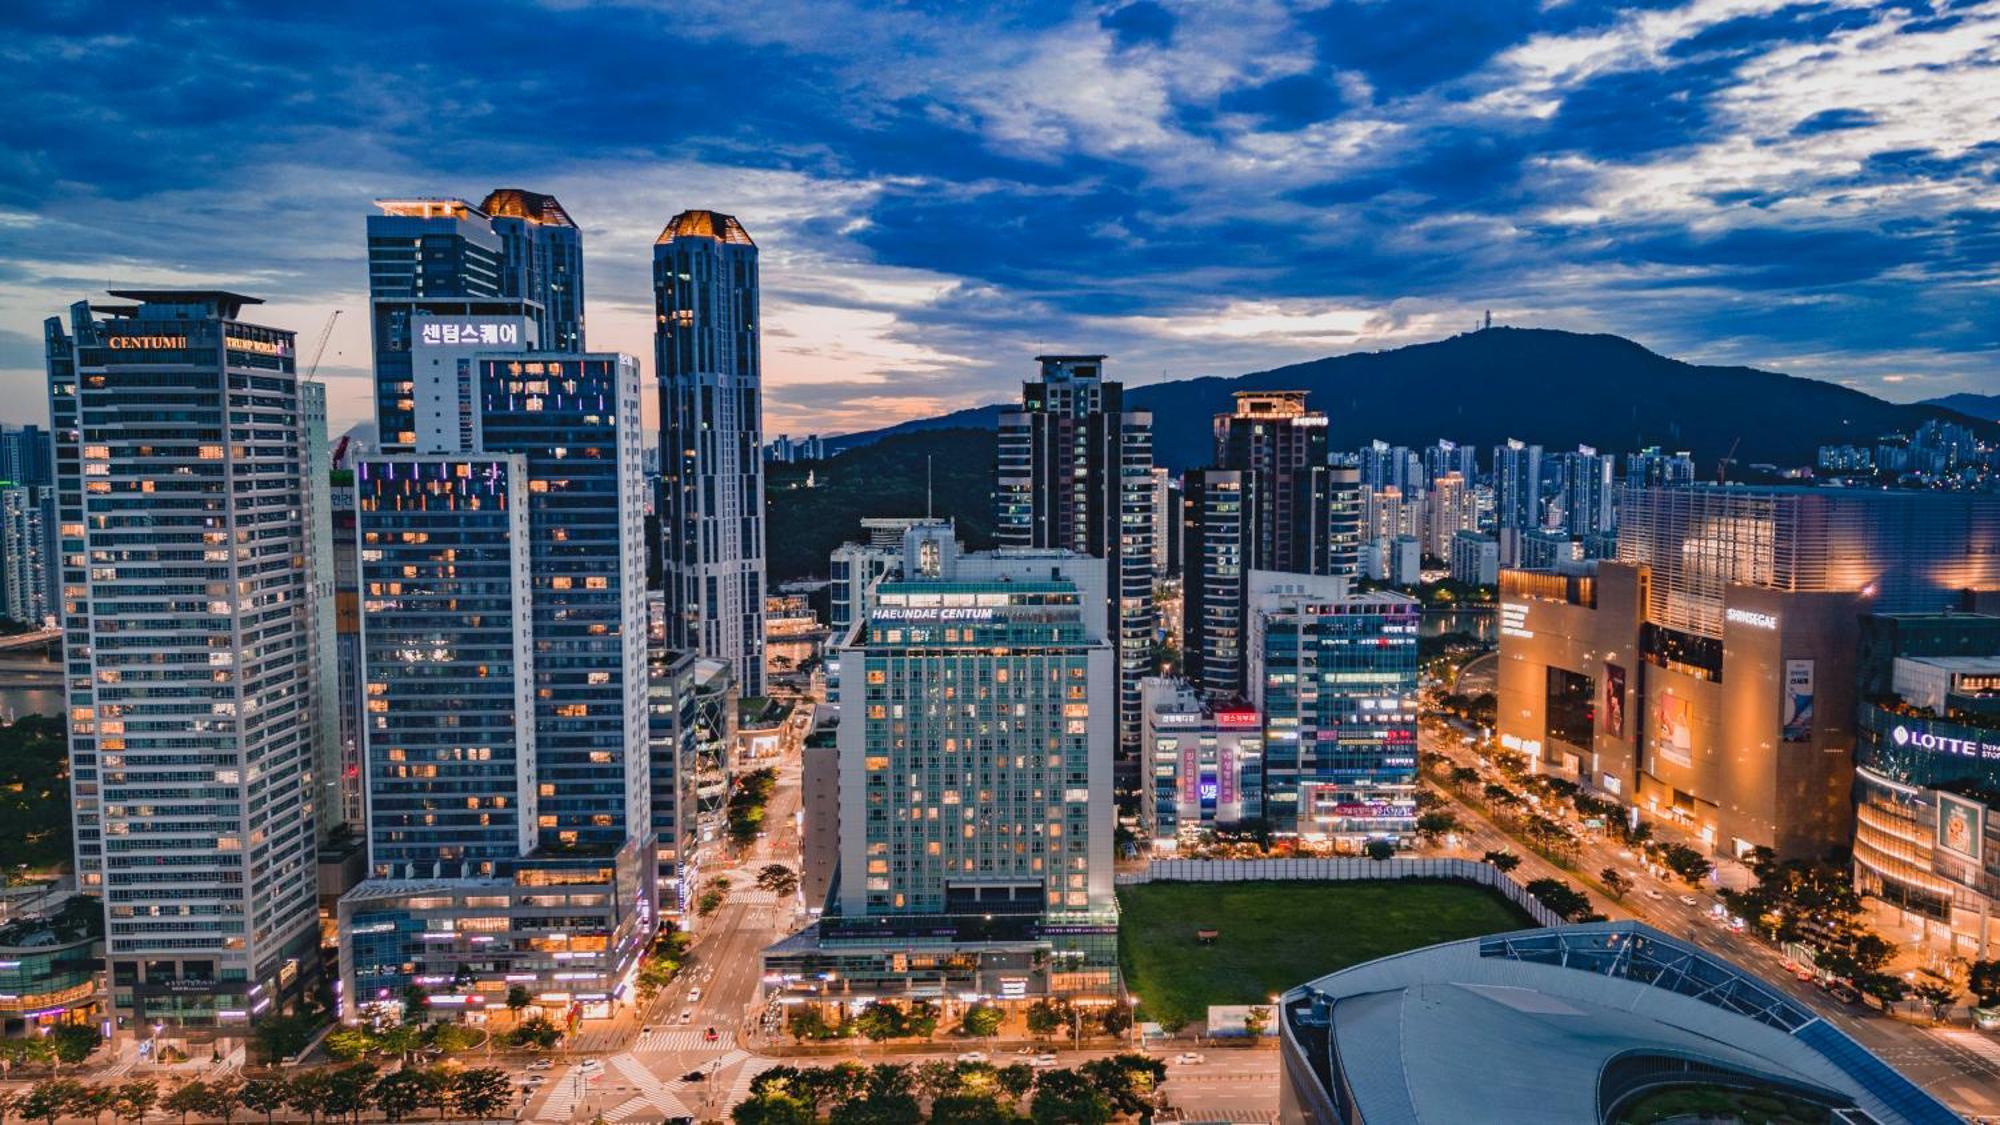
x=515, y=203
x=428, y=207
x=1570, y=1024
x=706, y=224
x=227, y=304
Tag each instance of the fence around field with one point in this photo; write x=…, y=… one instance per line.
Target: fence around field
x=1341, y=870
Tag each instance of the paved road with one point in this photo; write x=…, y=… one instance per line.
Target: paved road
x=1962, y=1066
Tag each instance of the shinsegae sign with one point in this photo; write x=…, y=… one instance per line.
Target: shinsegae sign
x=144, y=343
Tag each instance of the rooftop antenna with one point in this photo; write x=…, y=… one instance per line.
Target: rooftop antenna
x=1489, y=318
x=927, y=488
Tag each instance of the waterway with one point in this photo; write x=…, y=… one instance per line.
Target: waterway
x=1480, y=623
x=30, y=684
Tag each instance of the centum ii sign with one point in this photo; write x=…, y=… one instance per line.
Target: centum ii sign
x=1751, y=618
x=144, y=343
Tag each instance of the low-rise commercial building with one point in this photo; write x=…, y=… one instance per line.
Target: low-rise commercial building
x=1205, y=761
x=51, y=963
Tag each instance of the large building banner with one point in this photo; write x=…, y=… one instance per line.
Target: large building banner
x=1961, y=827
x=1673, y=735
x=1614, y=700
x=1798, y=701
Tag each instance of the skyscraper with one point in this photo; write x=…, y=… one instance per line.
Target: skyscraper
x=710, y=366
x=1272, y=436
x=1218, y=520
x=975, y=787
x=1076, y=473
x=1336, y=678
x=447, y=280
x=1517, y=486
x=27, y=459
x=178, y=471
x=1587, y=492
x=315, y=510
x=27, y=536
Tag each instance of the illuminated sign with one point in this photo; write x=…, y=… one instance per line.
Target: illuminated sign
x=1927, y=740
x=260, y=347
x=1236, y=718
x=933, y=613
x=1961, y=827
x=1751, y=618
x=1514, y=621
x=135, y=343
x=450, y=333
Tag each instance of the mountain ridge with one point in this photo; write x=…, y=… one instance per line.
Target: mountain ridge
x=1545, y=386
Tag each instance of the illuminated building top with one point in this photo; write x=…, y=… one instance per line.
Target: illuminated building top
x=515, y=203
x=706, y=224
x=1270, y=404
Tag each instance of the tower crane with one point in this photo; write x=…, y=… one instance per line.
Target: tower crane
x=319, y=346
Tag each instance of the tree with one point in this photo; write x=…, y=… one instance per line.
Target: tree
x=73, y=1042
x=936, y=1079
x=711, y=900
x=1064, y=1097
x=970, y=1109
x=281, y=1037
x=1504, y=861
x=1132, y=1081
x=52, y=1098
x=881, y=1020
x=537, y=1032
x=779, y=880
x=1615, y=882
x=1939, y=996
x=1015, y=1081
x=96, y=1102
x=309, y=1092
x=1686, y=862
x=922, y=1020
x=772, y=1109
x=1379, y=849
x=415, y=1002
x=807, y=1022
x=1984, y=981
x=981, y=1021
x=10, y=1100
x=348, y=1089
x=1256, y=1020
x=1462, y=776
x=191, y=1098
x=518, y=1000
x=1885, y=988
x=1563, y=900
x=136, y=1099
x=482, y=1092
x=346, y=1044
x=1116, y=1019
x=266, y=1095
x=224, y=1098
x=398, y=1094
x=1432, y=825
x=1047, y=1017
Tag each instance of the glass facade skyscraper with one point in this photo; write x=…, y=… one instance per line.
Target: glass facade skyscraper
x=177, y=430
x=709, y=360
x=1076, y=473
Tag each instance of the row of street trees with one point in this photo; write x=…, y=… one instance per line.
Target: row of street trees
x=967, y=1093
x=331, y=1094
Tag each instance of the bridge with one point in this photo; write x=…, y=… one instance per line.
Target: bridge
x=32, y=640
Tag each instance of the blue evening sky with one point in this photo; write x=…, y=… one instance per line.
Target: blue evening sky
x=939, y=191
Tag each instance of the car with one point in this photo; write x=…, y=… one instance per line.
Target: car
x=972, y=1056
x=534, y=1080
x=1738, y=925
x=695, y=1076
x=687, y=1015
x=694, y=995
x=1654, y=893
x=647, y=1030
x=1042, y=1061
x=542, y=1064
x=709, y=1035
x=1690, y=900
x=1190, y=1058
x=590, y=1066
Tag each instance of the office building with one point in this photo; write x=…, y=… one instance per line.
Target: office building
x=1166, y=524
x=1546, y=549
x=352, y=712
x=1475, y=559
x=1272, y=436
x=1205, y=762
x=819, y=789
x=1076, y=473
x=1218, y=515
x=1335, y=675
x=27, y=460
x=854, y=568
x=1927, y=774
x=27, y=538
x=51, y=957
x=709, y=362
x=1587, y=492
x=1517, y=487
x=1333, y=520
x=445, y=283
x=1577, y=1023
x=1707, y=676
x=670, y=731
x=975, y=818
x=316, y=495
x=177, y=447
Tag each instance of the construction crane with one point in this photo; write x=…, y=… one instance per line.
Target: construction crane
x=319, y=347
x=1728, y=459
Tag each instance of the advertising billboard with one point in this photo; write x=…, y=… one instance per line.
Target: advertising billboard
x=1961, y=827
x=1797, y=709
x=1673, y=732
x=1614, y=700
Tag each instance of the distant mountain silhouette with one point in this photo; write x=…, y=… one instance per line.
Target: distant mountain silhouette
x=1553, y=388
x=1986, y=408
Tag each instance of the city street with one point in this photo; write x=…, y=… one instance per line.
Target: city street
x=1959, y=1065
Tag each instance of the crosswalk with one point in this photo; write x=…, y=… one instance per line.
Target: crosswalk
x=562, y=1097
x=664, y=1040
x=654, y=1095
x=1973, y=1042
x=739, y=1087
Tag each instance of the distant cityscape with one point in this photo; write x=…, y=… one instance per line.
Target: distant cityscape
x=497, y=723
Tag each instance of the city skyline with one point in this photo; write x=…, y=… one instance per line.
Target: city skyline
x=1686, y=176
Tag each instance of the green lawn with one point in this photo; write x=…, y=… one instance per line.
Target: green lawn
x=1276, y=936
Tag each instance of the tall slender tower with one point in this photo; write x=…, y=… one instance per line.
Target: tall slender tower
x=186, y=651
x=1076, y=472
x=711, y=440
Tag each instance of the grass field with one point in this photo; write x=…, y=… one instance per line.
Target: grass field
x=1276, y=936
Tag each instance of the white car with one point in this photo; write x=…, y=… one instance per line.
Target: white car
x=1690, y=900
x=1042, y=1061
x=687, y=1015
x=972, y=1057
x=542, y=1064
x=590, y=1066
x=1190, y=1058
x=694, y=995
x=1654, y=893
